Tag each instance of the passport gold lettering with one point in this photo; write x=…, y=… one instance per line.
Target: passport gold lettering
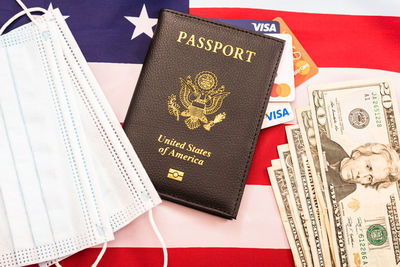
x=182, y=35
x=250, y=54
x=209, y=43
x=225, y=52
x=183, y=145
x=238, y=53
x=201, y=42
x=199, y=151
x=191, y=41
x=171, y=142
x=173, y=146
x=216, y=47
x=179, y=155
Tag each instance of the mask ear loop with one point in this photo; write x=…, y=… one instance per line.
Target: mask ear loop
x=156, y=231
x=22, y=13
x=99, y=257
x=23, y=6
x=160, y=238
x=101, y=254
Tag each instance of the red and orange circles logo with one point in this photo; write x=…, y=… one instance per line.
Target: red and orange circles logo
x=282, y=90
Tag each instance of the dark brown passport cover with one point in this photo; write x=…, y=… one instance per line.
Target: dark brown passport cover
x=197, y=109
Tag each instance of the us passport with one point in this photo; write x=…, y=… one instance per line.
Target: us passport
x=197, y=109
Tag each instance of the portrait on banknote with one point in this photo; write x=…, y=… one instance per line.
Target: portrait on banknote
x=373, y=165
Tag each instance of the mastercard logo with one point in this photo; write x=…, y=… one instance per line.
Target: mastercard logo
x=282, y=90
x=301, y=67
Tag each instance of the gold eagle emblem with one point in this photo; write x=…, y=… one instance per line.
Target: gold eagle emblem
x=200, y=99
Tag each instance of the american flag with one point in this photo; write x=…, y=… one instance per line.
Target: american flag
x=347, y=40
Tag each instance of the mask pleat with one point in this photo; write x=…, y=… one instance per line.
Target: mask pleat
x=71, y=177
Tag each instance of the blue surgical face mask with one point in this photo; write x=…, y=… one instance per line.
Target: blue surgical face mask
x=123, y=180
x=70, y=177
x=48, y=184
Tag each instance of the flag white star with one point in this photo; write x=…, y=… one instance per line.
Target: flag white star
x=143, y=24
x=51, y=8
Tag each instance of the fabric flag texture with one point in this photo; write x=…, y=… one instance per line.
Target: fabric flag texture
x=346, y=40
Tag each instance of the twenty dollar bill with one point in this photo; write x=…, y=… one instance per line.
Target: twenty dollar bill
x=290, y=221
x=305, y=122
x=356, y=132
x=294, y=198
x=318, y=239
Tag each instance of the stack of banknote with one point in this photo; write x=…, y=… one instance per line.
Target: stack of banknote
x=336, y=182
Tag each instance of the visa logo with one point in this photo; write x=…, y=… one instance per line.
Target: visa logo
x=277, y=114
x=264, y=27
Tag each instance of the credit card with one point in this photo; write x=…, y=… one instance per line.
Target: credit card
x=284, y=88
x=304, y=66
x=260, y=26
x=277, y=113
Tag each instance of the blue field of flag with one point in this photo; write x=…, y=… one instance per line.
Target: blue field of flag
x=104, y=29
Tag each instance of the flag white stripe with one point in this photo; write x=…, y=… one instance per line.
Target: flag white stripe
x=354, y=7
x=118, y=82
x=258, y=225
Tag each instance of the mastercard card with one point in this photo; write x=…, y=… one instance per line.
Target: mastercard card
x=304, y=66
x=277, y=113
x=284, y=88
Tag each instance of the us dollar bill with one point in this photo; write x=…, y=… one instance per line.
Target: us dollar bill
x=305, y=122
x=290, y=223
x=294, y=197
x=357, y=126
x=318, y=239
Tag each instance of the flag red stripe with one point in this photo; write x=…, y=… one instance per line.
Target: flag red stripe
x=266, y=151
x=193, y=257
x=333, y=40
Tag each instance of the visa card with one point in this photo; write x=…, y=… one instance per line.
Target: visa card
x=277, y=113
x=284, y=86
x=260, y=26
x=304, y=66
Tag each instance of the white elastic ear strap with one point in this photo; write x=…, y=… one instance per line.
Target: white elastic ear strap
x=156, y=231
x=25, y=11
x=101, y=254
x=99, y=257
x=20, y=14
x=23, y=6
x=159, y=236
